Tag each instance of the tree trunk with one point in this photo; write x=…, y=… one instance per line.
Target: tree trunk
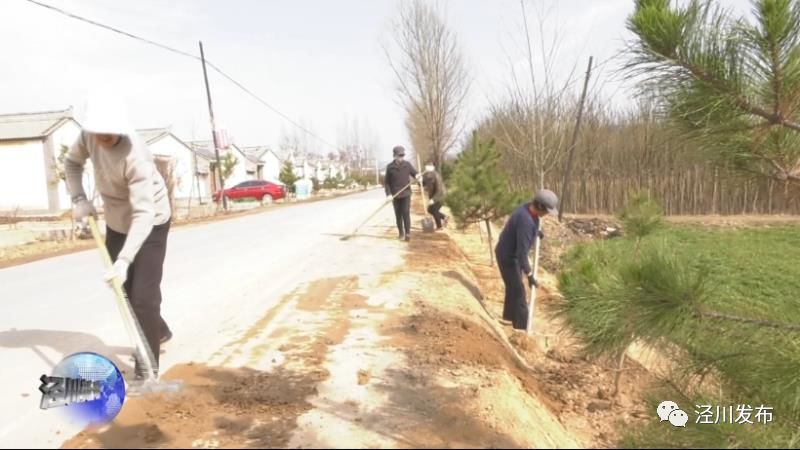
x=618, y=376
x=571, y=156
x=744, y=199
x=698, y=191
x=786, y=194
x=714, y=192
x=165, y=167
x=770, y=196
x=489, y=232
x=684, y=200
x=191, y=194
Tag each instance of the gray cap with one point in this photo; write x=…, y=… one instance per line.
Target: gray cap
x=547, y=199
x=399, y=150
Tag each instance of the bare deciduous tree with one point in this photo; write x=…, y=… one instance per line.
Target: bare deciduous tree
x=357, y=143
x=166, y=167
x=298, y=141
x=432, y=79
x=531, y=125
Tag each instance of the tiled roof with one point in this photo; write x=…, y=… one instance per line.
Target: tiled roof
x=37, y=125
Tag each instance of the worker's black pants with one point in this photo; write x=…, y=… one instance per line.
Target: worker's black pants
x=143, y=285
x=515, y=306
x=437, y=215
x=402, y=214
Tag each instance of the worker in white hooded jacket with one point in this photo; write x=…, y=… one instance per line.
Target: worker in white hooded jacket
x=136, y=209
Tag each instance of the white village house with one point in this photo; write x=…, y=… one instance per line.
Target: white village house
x=252, y=163
x=300, y=166
x=30, y=146
x=239, y=173
x=189, y=169
x=261, y=163
x=314, y=166
x=324, y=168
x=332, y=169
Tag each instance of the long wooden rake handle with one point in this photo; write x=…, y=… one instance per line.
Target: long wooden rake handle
x=132, y=325
x=377, y=211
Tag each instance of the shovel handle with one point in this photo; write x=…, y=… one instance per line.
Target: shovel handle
x=128, y=317
x=532, y=302
x=101, y=245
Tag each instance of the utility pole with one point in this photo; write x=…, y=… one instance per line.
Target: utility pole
x=213, y=131
x=571, y=156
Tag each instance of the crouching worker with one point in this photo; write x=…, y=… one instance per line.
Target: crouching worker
x=512, y=251
x=136, y=208
x=435, y=189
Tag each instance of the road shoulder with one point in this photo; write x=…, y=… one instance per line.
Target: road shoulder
x=398, y=359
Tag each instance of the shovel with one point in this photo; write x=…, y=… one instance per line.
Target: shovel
x=151, y=384
x=532, y=302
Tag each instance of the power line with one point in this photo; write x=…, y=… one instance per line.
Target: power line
x=189, y=55
x=110, y=28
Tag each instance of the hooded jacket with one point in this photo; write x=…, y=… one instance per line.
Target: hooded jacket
x=134, y=193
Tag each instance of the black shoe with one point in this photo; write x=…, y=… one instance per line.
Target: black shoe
x=408, y=238
x=166, y=337
x=401, y=237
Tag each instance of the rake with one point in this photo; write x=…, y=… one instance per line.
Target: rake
x=346, y=237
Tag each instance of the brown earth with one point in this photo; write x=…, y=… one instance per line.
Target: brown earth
x=35, y=251
x=409, y=359
x=414, y=358
x=579, y=388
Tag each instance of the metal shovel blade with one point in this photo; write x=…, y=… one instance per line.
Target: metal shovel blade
x=153, y=386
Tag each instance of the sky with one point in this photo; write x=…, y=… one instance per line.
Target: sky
x=319, y=62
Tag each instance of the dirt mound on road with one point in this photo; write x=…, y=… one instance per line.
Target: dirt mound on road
x=235, y=408
x=217, y=407
x=449, y=341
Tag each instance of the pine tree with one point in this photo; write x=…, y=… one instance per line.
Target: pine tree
x=287, y=175
x=614, y=299
x=641, y=217
x=730, y=83
x=479, y=190
x=229, y=162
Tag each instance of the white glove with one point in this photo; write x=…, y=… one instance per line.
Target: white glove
x=431, y=201
x=389, y=197
x=119, y=271
x=82, y=210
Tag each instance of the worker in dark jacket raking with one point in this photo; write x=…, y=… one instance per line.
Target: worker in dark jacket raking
x=512, y=254
x=399, y=174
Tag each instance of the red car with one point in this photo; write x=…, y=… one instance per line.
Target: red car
x=256, y=189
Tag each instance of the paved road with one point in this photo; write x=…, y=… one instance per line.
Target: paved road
x=220, y=278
